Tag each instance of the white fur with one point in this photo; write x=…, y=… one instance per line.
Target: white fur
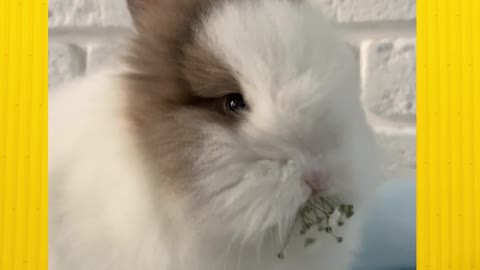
x=301, y=84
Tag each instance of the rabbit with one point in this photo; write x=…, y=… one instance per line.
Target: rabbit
x=198, y=150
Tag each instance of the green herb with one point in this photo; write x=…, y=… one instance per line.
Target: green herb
x=309, y=241
x=317, y=213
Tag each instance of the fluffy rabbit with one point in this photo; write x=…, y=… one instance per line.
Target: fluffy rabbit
x=197, y=153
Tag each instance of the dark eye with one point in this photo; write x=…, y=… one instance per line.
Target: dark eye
x=235, y=103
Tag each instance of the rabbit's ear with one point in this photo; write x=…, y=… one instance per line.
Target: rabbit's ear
x=164, y=15
x=137, y=8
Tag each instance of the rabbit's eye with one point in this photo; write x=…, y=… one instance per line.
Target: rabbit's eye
x=235, y=103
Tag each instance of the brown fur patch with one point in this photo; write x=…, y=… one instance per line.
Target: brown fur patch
x=175, y=87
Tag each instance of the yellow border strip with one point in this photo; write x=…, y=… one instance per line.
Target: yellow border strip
x=448, y=134
x=23, y=134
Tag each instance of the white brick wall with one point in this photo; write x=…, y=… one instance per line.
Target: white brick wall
x=84, y=33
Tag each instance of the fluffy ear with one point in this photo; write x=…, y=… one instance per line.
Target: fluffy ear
x=164, y=15
x=137, y=8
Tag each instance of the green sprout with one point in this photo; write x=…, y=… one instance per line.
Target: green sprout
x=317, y=213
x=309, y=241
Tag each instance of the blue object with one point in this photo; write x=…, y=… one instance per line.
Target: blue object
x=389, y=235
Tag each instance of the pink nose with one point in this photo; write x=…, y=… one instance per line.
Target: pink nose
x=317, y=179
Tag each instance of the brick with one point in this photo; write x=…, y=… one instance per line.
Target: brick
x=65, y=62
x=398, y=154
x=86, y=13
x=116, y=13
x=389, y=78
x=101, y=55
x=74, y=13
x=368, y=10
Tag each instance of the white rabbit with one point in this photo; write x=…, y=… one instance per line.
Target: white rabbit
x=197, y=153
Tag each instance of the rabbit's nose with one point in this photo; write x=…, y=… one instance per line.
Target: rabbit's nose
x=317, y=179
